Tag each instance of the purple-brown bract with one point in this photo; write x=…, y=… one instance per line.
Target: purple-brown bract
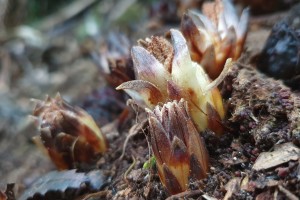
x=178, y=148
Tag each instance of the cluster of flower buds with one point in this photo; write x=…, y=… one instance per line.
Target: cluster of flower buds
x=68, y=134
x=215, y=35
x=166, y=72
x=179, y=150
x=178, y=77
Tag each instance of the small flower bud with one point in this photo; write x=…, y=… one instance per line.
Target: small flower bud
x=177, y=146
x=215, y=35
x=69, y=135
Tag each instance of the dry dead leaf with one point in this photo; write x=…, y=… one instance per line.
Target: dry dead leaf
x=231, y=187
x=61, y=181
x=207, y=197
x=283, y=153
x=244, y=182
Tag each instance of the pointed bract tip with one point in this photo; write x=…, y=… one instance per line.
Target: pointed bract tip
x=177, y=37
x=58, y=96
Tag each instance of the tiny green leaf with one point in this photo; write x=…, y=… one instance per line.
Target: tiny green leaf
x=150, y=163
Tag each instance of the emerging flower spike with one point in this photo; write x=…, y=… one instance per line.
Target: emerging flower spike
x=69, y=135
x=177, y=146
x=215, y=35
x=167, y=73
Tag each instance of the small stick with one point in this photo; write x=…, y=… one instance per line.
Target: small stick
x=185, y=194
x=96, y=194
x=129, y=169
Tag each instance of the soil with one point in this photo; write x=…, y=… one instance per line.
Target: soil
x=263, y=115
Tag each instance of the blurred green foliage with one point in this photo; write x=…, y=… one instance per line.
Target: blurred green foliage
x=131, y=17
x=38, y=9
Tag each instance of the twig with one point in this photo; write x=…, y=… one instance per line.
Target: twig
x=130, y=168
x=185, y=194
x=288, y=194
x=134, y=130
x=96, y=194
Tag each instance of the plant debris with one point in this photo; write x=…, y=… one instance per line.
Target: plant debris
x=282, y=153
x=9, y=193
x=64, y=185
